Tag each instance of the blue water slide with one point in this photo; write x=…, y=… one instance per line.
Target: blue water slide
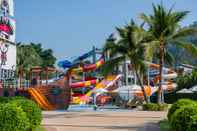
x=84, y=56
x=65, y=64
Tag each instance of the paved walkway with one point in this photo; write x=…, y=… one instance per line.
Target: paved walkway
x=102, y=121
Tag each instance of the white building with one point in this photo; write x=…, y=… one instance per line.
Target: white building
x=7, y=39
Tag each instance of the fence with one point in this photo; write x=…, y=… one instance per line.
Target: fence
x=15, y=84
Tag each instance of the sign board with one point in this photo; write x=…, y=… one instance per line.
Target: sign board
x=7, y=38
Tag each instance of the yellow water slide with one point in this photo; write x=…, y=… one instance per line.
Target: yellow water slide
x=104, y=84
x=40, y=99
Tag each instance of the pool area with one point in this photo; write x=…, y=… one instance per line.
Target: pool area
x=90, y=108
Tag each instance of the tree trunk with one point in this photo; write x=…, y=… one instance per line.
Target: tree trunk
x=141, y=85
x=20, y=76
x=161, y=63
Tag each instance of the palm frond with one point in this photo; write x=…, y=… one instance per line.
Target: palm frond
x=184, y=32
x=169, y=58
x=146, y=19
x=189, y=47
x=150, y=50
x=109, y=66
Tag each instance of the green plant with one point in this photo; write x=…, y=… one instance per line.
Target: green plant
x=163, y=107
x=180, y=103
x=32, y=111
x=151, y=107
x=187, y=81
x=182, y=117
x=16, y=98
x=193, y=124
x=13, y=118
x=4, y=100
x=131, y=44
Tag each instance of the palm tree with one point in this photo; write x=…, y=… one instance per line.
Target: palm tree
x=130, y=45
x=164, y=26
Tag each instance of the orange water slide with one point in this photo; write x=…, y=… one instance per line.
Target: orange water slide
x=40, y=99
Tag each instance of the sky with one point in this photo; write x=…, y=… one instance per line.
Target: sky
x=72, y=27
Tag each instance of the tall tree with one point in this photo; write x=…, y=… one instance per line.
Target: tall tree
x=47, y=56
x=27, y=57
x=129, y=45
x=164, y=26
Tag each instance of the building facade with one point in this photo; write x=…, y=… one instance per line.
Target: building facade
x=7, y=40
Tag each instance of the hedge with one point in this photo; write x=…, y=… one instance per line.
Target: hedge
x=193, y=124
x=180, y=120
x=155, y=107
x=13, y=118
x=28, y=107
x=32, y=110
x=179, y=104
x=4, y=100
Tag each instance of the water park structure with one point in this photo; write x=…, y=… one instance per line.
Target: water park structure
x=81, y=81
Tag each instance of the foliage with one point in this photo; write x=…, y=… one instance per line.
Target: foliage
x=32, y=111
x=30, y=55
x=130, y=45
x=48, y=59
x=27, y=57
x=4, y=100
x=12, y=118
x=193, y=124
x=163, y=107
x=187, y=81
x=150, y=107
x=182, y=117
x=17, y=98
x=164, y=26
x=155, y=107
x=181, y=55
x=180, y=103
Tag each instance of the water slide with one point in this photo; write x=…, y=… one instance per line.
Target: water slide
x=168, y=74
x=40, y=99
x=83, y=84
x=89, y=67
x=167, y=84
x=100, y=88
x=68, y=64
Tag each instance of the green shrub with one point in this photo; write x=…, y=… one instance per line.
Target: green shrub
x=31, y=109
x=155, y=107
x=187, y=81
x=7, y=99
x=13, y=118
x=4, y=99
x=163, y=107
x=180, y=103
x=150, y=107
x=182, y=117
x=193, y=124
x=17, y=98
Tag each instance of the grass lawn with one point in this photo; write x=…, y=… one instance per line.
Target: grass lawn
x=164, y=125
